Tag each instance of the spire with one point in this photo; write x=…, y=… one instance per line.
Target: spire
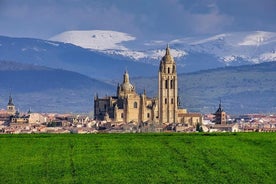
x=219, y=109
x=29, y=111
x=126, y=77
x=96, y=96
x=167, y=58
x=10, y=100
x=167, y=49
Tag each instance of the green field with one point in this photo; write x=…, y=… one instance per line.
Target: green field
x=138, y=158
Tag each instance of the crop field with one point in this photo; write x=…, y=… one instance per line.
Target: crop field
x=138, y=158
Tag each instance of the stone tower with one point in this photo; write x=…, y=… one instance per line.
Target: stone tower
x=11, y=107
x=167, y=89
x=220, y=116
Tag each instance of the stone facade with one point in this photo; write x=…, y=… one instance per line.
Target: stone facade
x=167, y=89
x=128, y=106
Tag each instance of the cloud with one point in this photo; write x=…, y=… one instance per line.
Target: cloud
x=142, y=18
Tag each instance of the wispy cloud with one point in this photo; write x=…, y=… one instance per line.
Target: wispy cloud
x=143, y=18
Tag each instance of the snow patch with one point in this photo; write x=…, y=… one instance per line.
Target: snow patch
x=52, y=43
x=257, y=38
x=34, y=49
x=158, y=54
x=229, y=59
x=95, y=39
x=271, y=56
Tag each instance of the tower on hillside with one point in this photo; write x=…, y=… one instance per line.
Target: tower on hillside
x=167, y=89
x=11, y=107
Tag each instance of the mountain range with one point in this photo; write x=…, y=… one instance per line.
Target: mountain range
x=242, y=89
x=236, y=48
x=106, y=54
x=63, y=74
x=45, y=89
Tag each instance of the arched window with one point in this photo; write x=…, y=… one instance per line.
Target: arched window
x=122, y=115
x=169, y=69
x=148, y=115
x=165, y=100
x=172, y=101
x=171, y=84
x=166, y=84
x=135, y=105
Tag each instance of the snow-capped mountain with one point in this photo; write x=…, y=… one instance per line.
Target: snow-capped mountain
x=106, y=54
x=69, y=57
x=95, y=39
x=255, y=47
x=228, y=48
x=116, y=44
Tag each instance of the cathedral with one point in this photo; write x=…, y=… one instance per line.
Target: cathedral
x=128, y=106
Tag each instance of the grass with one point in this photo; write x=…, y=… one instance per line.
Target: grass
x=138, y=158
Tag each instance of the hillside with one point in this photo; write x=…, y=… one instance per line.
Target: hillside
x=48, y=90
x=242, y=89
x=105, y=54
x=138, y=158
x=69, y=57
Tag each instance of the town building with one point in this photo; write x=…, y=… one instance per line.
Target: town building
x=128, y=106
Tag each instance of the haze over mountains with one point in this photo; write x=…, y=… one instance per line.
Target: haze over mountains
x=77, y=64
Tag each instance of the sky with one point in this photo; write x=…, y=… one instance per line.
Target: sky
x=144, y=19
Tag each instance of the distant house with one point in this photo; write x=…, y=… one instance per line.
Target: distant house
x=37, y=118
x=18, y=118
x=221, y=128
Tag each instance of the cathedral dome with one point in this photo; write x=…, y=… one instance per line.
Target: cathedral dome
x=167, y=58
x=126, y=85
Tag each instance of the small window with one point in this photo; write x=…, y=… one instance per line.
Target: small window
x=166, y=84
x=148, y=115
x=135, y=105
x=165, y=100
x=171, y=84
x=172, y=101
x=169, y=70
x=122, y=115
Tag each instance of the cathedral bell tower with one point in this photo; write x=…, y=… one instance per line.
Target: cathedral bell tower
x=167, y=89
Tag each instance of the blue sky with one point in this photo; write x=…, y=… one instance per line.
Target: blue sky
x=148, y=19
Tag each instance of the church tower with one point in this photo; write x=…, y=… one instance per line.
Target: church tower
x=167, y=89
x=220, y=116
x=11, y=106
